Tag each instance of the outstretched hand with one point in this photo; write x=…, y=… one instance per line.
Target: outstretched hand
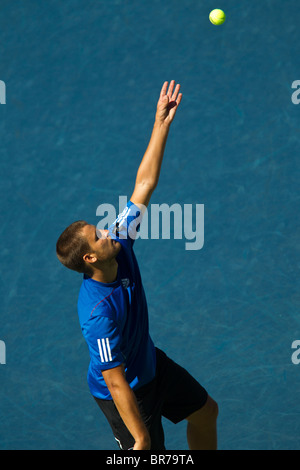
x=168, y=103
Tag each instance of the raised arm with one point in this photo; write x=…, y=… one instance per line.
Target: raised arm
x=149, y=169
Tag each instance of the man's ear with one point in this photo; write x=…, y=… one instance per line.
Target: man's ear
x=89, y=258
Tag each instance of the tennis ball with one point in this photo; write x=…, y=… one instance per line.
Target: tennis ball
x=217, y=16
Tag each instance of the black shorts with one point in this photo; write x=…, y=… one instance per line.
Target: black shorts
x=173, y=394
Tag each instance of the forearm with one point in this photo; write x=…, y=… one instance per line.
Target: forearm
x=125, y=401
x=149, y=169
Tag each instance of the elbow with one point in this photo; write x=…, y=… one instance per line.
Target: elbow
x=114, y=378
x=114, y=385
x=148, y=185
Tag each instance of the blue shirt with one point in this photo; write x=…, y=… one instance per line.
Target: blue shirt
x=114, y=317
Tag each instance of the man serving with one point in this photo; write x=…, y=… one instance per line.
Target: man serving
x=133, y=382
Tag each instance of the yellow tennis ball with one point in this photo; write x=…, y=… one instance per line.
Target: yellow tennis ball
x=217, y=16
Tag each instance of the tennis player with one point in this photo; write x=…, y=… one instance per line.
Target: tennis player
x=133, y=382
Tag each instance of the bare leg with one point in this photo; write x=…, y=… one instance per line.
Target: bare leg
x=202, y=427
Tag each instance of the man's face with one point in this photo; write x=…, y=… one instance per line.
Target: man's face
x=102, y=245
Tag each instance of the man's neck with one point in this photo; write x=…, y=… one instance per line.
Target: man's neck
x=106, y=274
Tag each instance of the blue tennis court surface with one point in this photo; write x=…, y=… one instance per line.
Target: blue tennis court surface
x=82, y=81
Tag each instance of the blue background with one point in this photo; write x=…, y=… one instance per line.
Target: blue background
x=83, y=79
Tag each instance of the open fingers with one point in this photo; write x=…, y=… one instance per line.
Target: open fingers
x=179, y=98
x=176, y=95
x=171, y=92
x=164, y=89
x=171, y=88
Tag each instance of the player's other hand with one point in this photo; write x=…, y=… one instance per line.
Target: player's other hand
x=168, y=103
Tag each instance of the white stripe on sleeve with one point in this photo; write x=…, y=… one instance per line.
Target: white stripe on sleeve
x=100, y=350
x=104, y=350
x=108, y=349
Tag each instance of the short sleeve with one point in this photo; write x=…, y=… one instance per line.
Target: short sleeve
x=127, y=224
x=104, y=343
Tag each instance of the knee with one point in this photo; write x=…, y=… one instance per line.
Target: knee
x=214, y=408
x=208, y=413
x=211, y=409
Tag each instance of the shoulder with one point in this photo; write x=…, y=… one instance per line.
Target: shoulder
x=103, y=307
x=100, y=321
x=94, y=301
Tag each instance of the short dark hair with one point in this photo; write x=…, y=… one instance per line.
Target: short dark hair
x=72, y=246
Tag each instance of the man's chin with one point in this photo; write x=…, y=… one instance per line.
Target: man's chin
x=116, y=245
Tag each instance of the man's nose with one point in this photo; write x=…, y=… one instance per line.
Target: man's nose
x=102, y=233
